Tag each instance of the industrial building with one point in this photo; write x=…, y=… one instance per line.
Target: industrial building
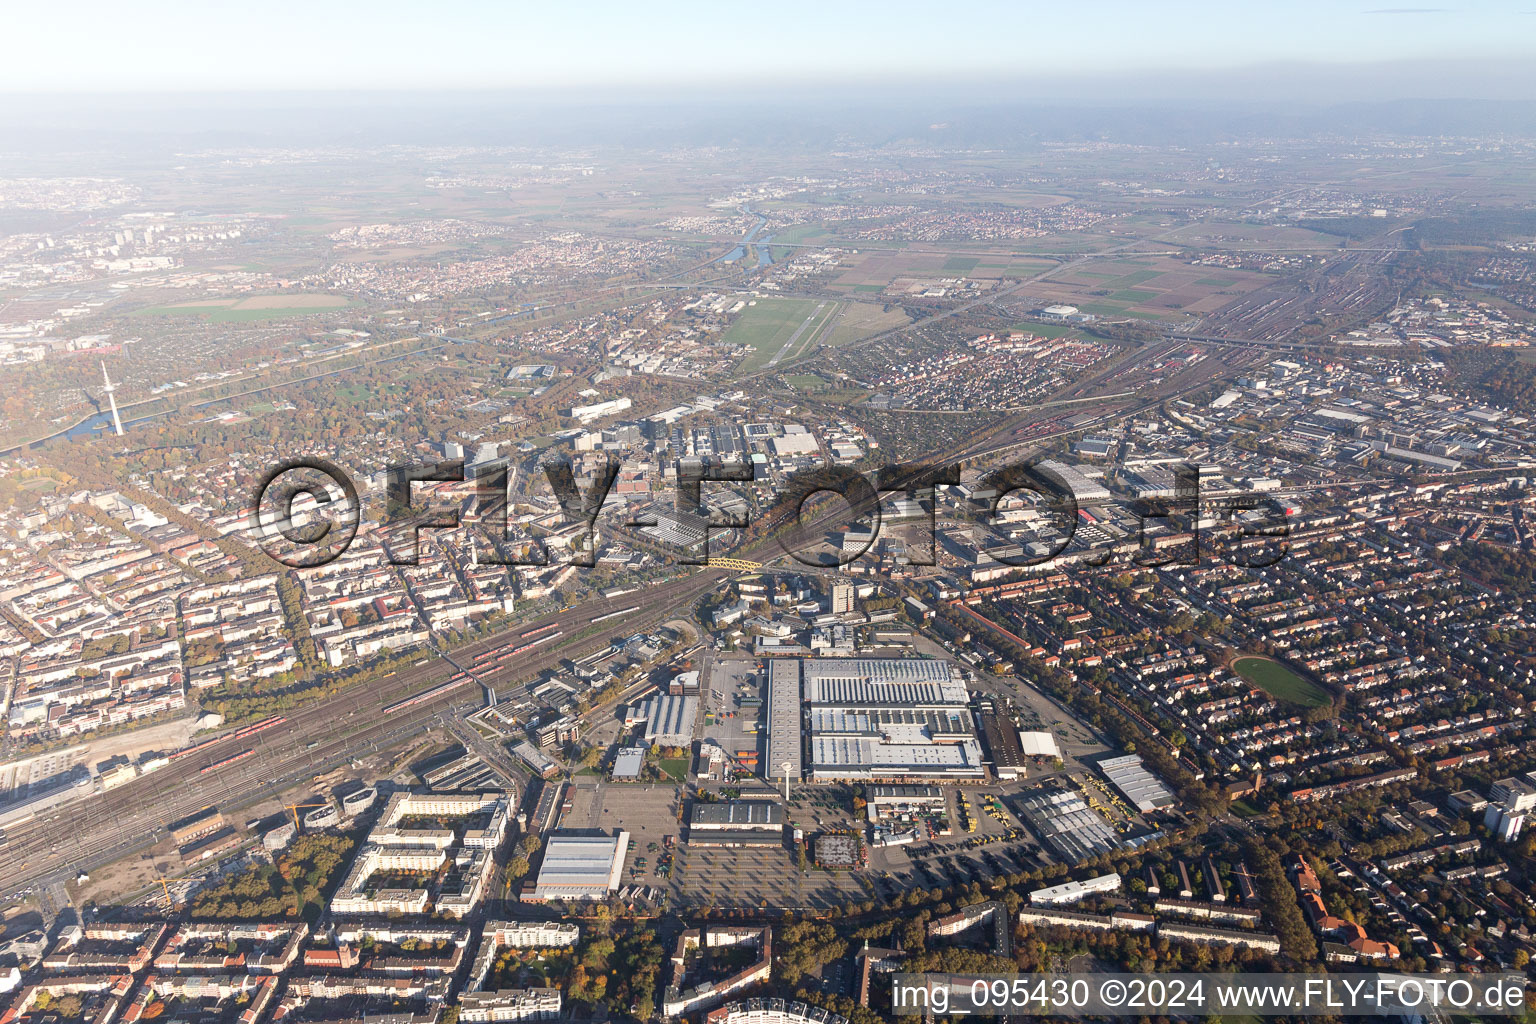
x=627, y=764
x=1065, y=821
x=1039, y=744
x=785, y=738
x=736, y=823
x=1001, y=738
x=1143, y=789
x=1072, y=892
x=895, y=720
x=580, y=867
x=895, y=801
x=669, y=719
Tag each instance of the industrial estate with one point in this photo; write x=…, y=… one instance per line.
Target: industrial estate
x=576, y=577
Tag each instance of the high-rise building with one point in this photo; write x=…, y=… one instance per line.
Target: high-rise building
x=1509, y=803
x=842, y=598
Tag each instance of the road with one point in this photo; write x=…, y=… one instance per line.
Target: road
x=317, y=736
x=351, y=723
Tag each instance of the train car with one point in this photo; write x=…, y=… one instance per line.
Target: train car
x=227, y=761
x=614, y=615
x=427, y=695
x=266, y=723
x=536, y=632
x=194, y=748
x=534, y=643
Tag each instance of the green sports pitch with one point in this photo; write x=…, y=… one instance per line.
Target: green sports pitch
x=1280, y=682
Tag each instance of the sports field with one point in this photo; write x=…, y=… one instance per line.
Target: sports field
x=1280, y=682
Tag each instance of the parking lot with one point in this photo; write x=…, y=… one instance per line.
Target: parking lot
x=726, y=723
x=747, y=877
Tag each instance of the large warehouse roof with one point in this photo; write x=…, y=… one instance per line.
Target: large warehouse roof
x=785, y=737
x=1039, y=744
x=875, y=718
x=1140, y=786
x=1064, y=820
x=581, y=867
x=861, y=757
x=669, y=719
x=885, y=682
x=738, y=814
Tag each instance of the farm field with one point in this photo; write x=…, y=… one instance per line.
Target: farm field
x=1153, y=287
x=1280, y=682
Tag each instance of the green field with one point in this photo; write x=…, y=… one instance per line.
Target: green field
x=676, y=767
x=1280, y=682
x=224, y=311
x=1133, y=295
x=1217, y=282
x=1243, y=809
x=766, y=326
x=960, y=265
x=1138, y=277
x=793, y=234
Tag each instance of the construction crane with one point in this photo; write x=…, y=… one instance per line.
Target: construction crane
x=170, y=904
x=296, y=808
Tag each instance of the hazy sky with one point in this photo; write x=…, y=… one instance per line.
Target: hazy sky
x=112, y=45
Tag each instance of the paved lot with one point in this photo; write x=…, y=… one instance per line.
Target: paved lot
x=730, y=877
x=733, y=727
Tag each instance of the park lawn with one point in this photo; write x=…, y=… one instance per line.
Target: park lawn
x=676, y=767
x=1280, y=682
x=1243, y=809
